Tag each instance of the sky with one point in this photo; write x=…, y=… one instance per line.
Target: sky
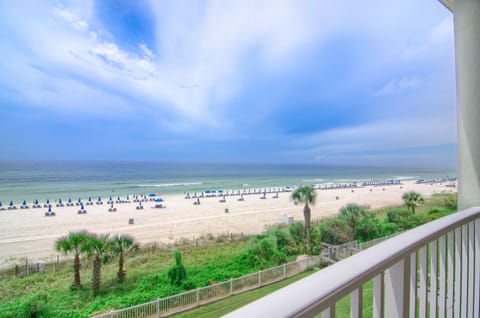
x=331, y=82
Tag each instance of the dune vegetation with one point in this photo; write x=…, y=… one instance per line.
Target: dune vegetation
x=147, y=274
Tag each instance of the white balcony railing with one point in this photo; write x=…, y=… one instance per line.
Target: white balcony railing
x=431, y=270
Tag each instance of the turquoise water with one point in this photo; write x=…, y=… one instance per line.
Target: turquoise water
x=30, y=180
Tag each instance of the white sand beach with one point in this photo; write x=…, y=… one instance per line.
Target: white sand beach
x=28, y=233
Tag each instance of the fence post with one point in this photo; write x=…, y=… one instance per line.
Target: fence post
x=284, y=270
x=158, y=307
x=231, y=286
x=260, y=278
x=198, y=296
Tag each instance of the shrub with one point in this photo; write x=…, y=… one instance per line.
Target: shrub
x=297, y=232
x=438, y=213
x=335, y=231
x=402, y=218
x=451, y=202
x=368, y=228
x=177, y=272
x=388, y=228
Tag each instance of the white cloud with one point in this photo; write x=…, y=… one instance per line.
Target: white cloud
x=380, y=137
x=196, y=68
x=71, y=18
x=398, y=86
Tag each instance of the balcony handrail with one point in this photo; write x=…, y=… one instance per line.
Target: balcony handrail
x=319, y=291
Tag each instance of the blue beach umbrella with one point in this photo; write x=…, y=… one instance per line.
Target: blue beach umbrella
x=60, y=200
x=128, y=197
x=112, y=205
x=0, y=204
x=152, y=195
x=48, y=201
x=159, y=200
x=110, y=198
x=36, y=201
x=11, y=203
x=118, y=198
x=79, y=200
x=81, y=205
x=99, y=198
x=89, y=199
x=24, y=202
x=69, y=200
x=49, y=208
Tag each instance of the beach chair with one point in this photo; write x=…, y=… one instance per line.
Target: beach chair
x=60, y=203
x=112, y=209
x=99, y=201
x=222, y=200
x=82, y=209
x=139, y=206
x=12, y=206
x=24, y=205
x=36, y=204
x=50, y=212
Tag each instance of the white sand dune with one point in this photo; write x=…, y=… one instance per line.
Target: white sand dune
x=28, y=233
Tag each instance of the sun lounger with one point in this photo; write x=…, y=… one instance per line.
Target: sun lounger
x=49, y=212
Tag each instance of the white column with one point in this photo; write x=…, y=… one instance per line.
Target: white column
x=467, y=59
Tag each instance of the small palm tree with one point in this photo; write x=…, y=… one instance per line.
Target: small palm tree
x=351, y=213
x=411, y=199
x=122, y=245
x=305, y=195
x=73, y=243
x=98, y=246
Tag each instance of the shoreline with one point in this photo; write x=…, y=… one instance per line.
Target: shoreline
x=28, y=233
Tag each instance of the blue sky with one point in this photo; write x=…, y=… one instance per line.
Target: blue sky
x=327, y=82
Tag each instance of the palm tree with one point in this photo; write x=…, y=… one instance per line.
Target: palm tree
x=411, y=199
x=73, y=243
x=121, y=245
x=99, y=247
x=351, y=213
x=305, y=195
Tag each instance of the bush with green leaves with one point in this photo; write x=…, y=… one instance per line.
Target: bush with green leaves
x=177, y=273
x=368, y=227
x=334, y=230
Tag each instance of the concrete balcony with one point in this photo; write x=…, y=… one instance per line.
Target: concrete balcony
x=432, y=270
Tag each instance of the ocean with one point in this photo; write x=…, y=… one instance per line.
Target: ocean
x=30, y=180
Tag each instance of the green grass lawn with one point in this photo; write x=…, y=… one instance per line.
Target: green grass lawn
x=222, y=307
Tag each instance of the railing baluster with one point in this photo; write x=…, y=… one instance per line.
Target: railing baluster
x=329, y=312
x=356, y=303
x=433, y=278
x=395, y=289
x=476, y=311
x=413, y=284
x=378, y=304
x=458, y=272
x=471, y=274
x=422, y=289
x=464, y=307
x=442, y=260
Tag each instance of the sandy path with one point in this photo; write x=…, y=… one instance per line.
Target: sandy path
x=29, y=234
